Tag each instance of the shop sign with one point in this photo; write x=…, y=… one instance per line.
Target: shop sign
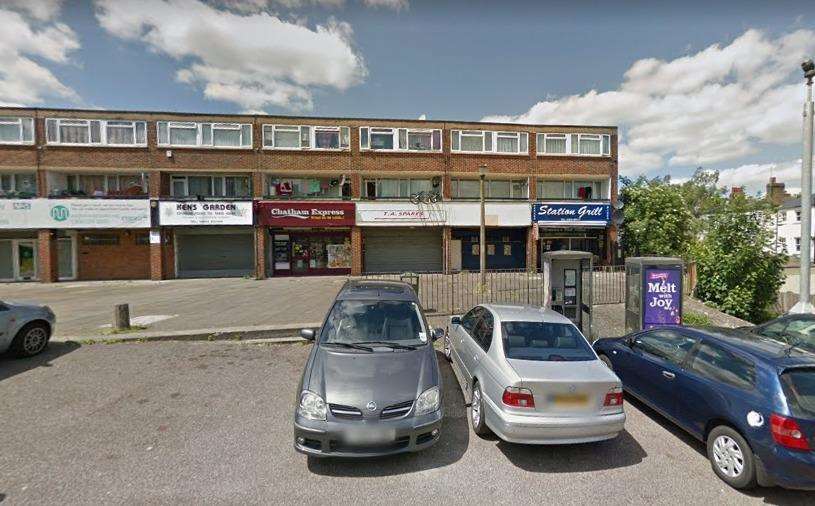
x=74, y=213
x=306, y=214
x=400, y=214
x=205, y=213
x=581, y=214
x=662, y=305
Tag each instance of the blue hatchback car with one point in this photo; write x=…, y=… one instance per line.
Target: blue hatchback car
x=749, y=398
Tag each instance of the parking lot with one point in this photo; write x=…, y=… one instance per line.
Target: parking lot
x=195, y=422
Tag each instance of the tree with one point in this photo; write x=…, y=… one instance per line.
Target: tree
x=657, y=219
x=738, y=271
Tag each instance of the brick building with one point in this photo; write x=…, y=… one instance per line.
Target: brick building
x=89, y=194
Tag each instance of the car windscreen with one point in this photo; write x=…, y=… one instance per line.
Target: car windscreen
x=365, y=321
x=799, y=388
x=544, y=341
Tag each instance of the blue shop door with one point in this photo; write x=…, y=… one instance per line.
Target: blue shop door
x=504, y=251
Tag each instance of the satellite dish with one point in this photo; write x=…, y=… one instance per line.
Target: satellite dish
x=618, y=204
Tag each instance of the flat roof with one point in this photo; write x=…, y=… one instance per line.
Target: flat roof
x=292, y=117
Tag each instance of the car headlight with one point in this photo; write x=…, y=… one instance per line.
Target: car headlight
x=428, y=401
x=312, y=406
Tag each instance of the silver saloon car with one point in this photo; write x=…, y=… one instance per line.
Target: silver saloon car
x=531, y=377
x=25, y=328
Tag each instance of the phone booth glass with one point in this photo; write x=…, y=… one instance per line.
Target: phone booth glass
x=567, y=283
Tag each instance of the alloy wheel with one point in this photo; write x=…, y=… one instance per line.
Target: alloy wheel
x=447, y=345
x=475, y=408
x=34, y=340
x=728, y=456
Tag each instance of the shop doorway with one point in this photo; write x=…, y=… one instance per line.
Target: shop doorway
x=18, y=260
x=310, y=253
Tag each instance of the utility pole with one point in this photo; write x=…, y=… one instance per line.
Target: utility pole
x=482, y=240
x=804, y=305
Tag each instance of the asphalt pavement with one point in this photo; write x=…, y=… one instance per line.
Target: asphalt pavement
x=210, y=422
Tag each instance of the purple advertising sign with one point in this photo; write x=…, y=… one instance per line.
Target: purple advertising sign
x=662, y=297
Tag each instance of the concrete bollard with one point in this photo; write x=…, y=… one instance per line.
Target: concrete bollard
x=121, y=317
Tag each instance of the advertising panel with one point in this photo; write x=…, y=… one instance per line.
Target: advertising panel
x=662, y=292
x=205, y=213
x=74, y=213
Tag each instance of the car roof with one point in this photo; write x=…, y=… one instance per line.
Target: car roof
x=368, y=289
x=760, y=347
x=526, y=313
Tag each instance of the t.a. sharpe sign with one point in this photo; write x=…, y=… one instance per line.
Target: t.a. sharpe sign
x=306, y=214
x=559, y=214
x=74, y=213
x=205, y=213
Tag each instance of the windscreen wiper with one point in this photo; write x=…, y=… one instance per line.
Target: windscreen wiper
x=351, y=345
x=395, y=346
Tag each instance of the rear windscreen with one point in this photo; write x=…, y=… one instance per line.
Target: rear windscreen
x=799, y=388
x=544, y=341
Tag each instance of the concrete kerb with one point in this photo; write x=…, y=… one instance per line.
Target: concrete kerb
x=288, y=333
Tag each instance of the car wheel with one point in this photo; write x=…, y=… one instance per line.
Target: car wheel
x=731, y=457
x=604, y=359
x=477, y=412
x=446, y=347
x=30, y=340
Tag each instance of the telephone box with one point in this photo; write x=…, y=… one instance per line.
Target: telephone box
x=567, y=285
x=653, y=292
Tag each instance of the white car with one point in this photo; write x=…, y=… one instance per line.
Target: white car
x=25, y=329
x=531, y=377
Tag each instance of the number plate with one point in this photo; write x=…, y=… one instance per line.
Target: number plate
x=370, y=436
x=569, y=399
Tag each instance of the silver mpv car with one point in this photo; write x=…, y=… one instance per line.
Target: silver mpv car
x=531, y=377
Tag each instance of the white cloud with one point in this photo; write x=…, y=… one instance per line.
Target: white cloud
x=754, y=177
x=254, y=60
x=396, y=5
x=42, y=10
x=27, y=37
x=712, y=106
x=254, y=6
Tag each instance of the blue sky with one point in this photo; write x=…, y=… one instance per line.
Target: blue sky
x=714, y=84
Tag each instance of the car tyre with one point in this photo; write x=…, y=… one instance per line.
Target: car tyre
x=447, y=345
x=731, y=457
x=31, y=340
x=476, y=412
x=604, y=359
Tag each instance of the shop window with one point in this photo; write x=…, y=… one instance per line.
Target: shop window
x=210, y=186
x=142, y=239
x=495, y=189
x=98, y=185
x=402, y=188
x=309, y=188
x=205, y=135
x=100, y=239
x=15, y=130
x=485, y=141
x=95, y=132
x=574, y=144
x=330, y=138
x=572, y=190
x=399, y=139
x=19, y=185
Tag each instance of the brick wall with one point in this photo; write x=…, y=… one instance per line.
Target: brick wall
x=125, y=260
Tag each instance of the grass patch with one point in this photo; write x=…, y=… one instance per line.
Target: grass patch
x=695, y=319
x=133, y=328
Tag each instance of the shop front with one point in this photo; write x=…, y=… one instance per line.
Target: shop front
x=506, y=235
x=400, y=236
x=307, y=238
x=573, y=226
x=211, y=238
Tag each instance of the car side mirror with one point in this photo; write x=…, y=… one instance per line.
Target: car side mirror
x=437, y=333
x=455, y=320
x=307, y=334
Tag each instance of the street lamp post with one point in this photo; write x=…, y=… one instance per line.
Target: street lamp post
x=482, y=240
x=804, y=305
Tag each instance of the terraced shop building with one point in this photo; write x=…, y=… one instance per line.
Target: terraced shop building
x=90, y=194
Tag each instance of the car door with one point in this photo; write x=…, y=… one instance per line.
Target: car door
x=713, y=380
x=487, y=371
x=656, y=360
x=5, y=326
x=463, y=342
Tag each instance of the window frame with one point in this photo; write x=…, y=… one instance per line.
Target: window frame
x=103, y=132
x=344, y=181
x=270, y=128
x=493, y=135
x=694, y=353
x=604, y=183
x=637, y=344
x=215, y=181
x=145, y=186
x=454, y=187
x=366, y=132
x=540, y=148
x=364, y=190
x=199, y=127
x=18, y=121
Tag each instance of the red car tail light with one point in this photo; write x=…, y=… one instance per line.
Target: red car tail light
x=787, y=433
x=518, y=397
x=613, y=398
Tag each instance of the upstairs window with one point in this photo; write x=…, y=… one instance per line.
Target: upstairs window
x=572, y=190
x=95, y=132
x=100, y=185
x=494, y=189
x=205, y=135
x=20, y=185
x=329, y=138
x=484, y=141
x=401, y=188
x=15, y=130
x=309, y=187
x=574, y=144
x=210, y=186
x=399, y=139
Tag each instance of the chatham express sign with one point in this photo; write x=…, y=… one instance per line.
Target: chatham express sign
x=305, y=214
x=582, y=214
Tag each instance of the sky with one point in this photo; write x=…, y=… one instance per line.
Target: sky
x=690, y=84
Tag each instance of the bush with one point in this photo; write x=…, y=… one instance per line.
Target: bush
x=695, y=319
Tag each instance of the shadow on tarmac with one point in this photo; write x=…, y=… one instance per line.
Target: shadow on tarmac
x=11, y=365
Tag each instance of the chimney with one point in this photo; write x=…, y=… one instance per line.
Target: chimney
x=736, y=190
x=776, y=192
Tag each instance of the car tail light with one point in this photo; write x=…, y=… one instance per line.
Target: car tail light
x=787, y=433
x=518, y=397
x=613, y=398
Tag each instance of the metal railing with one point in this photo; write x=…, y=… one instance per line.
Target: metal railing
x=456, y=292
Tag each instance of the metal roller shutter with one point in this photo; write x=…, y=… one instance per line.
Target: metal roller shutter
x=400, y=250
x=215, y=255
